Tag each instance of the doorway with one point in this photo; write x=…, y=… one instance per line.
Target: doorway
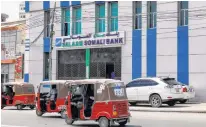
x=109, y=70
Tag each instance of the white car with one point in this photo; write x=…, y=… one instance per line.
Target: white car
x=155, y=90
x=188, y=92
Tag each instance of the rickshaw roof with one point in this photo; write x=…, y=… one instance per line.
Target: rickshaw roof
x=105, y=81
x=17, y=83
x=56, y=81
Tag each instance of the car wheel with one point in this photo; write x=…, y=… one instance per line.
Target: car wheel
x=155, y=100
x=103, y=122
x=63, y=114
x=68, y=120
x=183, y=101
x=39, y=113
x=171, y=103
x=31, y=106
x=123, y=123
x=19, y=107
x=132, y=103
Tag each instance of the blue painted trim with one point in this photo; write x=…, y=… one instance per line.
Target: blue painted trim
x=46, y=5
x=64, y=4
x=136, y=54
x=99, y=2
x=26, y=6
x=26, y=77
x=46, y=44
x=151, y=52
x=183, y=54
x=74, y=3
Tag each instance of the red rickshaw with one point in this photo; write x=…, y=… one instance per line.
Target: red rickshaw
x=18, y=94
x=51, y=97
x=101, y=100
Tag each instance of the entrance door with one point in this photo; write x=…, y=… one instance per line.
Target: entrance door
x=109, y=69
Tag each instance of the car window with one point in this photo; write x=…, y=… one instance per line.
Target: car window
x=132, y=84
x=171, y=81
x=147, y=82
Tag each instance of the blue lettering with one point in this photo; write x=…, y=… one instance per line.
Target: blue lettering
x=112, y=41
x=107, y=41
x=93, y=42
x=120, y=40
x=116, y=40
x=98, y=42
x=85, y=43
x=89, y=42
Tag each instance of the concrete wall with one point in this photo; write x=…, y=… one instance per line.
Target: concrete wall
x=197, y=49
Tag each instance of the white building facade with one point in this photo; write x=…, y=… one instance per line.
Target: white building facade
x=131, y=39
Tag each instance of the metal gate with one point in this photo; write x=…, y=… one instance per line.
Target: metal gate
x=71, y=64
x=100, y=57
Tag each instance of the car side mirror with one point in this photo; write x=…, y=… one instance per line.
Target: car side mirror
x=36, y=98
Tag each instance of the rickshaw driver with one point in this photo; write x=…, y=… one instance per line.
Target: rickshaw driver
x=53, y=97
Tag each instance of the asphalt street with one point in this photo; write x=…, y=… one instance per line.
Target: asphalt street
x=27, y=118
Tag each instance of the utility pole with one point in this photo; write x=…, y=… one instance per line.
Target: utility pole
x=51, y=43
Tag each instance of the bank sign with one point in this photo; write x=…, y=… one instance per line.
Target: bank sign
x=91, y=40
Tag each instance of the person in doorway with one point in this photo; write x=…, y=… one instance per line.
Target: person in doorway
x=112, y=75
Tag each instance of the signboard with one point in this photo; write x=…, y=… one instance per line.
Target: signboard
x=91, y=40
x=18, y=68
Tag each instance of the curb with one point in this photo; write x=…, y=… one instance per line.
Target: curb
x=167, y=111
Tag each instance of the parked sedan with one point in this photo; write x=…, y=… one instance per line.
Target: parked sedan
x=188, y=92
x=156, y=91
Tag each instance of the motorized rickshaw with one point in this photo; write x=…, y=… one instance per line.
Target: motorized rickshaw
x=18, y=94
x=102, y=100
x=51, y=97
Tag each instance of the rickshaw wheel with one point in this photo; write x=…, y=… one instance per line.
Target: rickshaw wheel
x=19, y=107
x=68, y=120
x=103, y=122
x=39, y=113
x=123, y=123
x=63, y=115
x=31, y=106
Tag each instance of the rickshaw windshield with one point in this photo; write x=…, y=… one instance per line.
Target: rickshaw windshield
x=117, y=91
x=45, y=88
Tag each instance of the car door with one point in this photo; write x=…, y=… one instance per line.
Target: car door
x=131, y=89
x=145, y=89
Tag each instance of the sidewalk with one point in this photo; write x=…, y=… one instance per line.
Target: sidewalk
x=182, y=108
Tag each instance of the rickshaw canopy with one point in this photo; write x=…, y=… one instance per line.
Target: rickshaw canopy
x=105, y=89
x=61, y=85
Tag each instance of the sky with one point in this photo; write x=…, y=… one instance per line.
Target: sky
x=11, y=8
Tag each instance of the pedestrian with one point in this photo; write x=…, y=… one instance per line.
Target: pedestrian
x=112, y=75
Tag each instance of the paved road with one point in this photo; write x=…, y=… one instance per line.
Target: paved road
x=28, y=118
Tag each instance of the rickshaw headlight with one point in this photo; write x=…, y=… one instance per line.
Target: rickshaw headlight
x=114, y=113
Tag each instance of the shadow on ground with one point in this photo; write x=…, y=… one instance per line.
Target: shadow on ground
x=163, y=106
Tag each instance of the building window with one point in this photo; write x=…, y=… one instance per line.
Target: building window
x=137, y=14
x=113, y=19
x=46, y=65
x=77, y=15
x=46, y=23
x=151, y=14
x=183, y=13
x=66, y=22
x=100, y=18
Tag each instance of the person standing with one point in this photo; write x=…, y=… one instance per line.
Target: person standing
x=112, y=75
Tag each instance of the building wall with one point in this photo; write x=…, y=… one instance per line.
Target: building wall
x=197, y=52
x=135, y=57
